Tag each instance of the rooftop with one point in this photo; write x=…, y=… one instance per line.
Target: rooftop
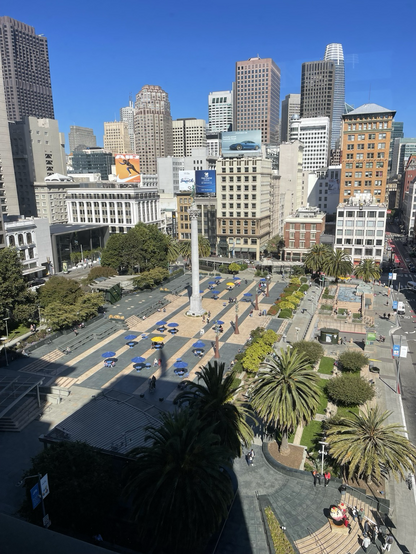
x=369, y=109
x=62, y=228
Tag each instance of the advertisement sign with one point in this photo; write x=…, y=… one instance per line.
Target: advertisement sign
x=205, y=181
x=35, y=495
x=371, y=337
x=396, y=350
x=241, y=143
x=333, y=187
x=390, y=276
x=127, y=168
x=186, y=180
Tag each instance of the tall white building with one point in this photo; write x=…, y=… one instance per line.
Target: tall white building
x=313, y=133
x=323, y=190
x=334, y=53
x=188, y=133
x=220, y=110
x=116, y=137
x=361, y=227
x=290, y=107
x=213, y=144
x=127, y=115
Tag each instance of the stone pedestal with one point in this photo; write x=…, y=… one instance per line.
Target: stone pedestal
x=195, y=304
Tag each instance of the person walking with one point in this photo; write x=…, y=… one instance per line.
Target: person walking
x=366, y=528
x=155, y=362
x=388, y=541
x=354, y=513
x=360, y=515
x=327, y=477
x=366, y=543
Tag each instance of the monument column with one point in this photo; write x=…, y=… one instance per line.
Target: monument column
x=195, y=305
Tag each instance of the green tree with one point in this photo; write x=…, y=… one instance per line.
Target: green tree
x=338, y=264
x=60, y=316
x=349, y=390
x=87, y=305
x=26, y=313
x=173, y=250
x=151, y=278
x=352, y=360
x=312, y=350
x=113, y=253
x=13, y=290
x=99, y=271
x=316, y=258
x=211, y=401
x=234, y=268
x=178, y=485
x=368, y=448
x=367, y=270
x=59, y=290
x=204, y=247
x=78, y=500
x=286, y=393
x=275, y=245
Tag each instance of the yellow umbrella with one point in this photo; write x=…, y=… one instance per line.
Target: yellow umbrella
x=157, y=339
x=230, y=284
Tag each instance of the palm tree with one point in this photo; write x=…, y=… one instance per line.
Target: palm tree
x=178, y=485
x=286, y=393
x=316, y=257
x=212, y=403
x=367, y=270
x=367, y=448
x=204, y=247
x=275, y=245
x=173, y=249
x=338, y=264
x=185, y=249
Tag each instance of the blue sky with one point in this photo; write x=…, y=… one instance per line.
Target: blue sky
x=100, y=52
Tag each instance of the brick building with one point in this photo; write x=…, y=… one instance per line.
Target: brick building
x=302, y=231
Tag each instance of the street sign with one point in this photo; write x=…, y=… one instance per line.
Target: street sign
x=390, y=276
x=403, y=351
x=35, y=495
x=394, y=276
x=44, y=485
x=396, y=350
x=395, y=304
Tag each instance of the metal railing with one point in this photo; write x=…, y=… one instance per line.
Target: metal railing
x=317, y=540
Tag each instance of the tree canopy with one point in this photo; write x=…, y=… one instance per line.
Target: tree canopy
x=275, y=245
x=367, y=270
x=59, y=290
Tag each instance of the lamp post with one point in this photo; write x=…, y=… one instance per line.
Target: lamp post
x=322, y=452
x=217, y=346
x=267, y=287
x=236, y=331
x=256, y=307
x=297, y=329
x=6, y=339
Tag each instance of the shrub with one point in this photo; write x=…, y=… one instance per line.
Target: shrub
x=243, y=266
x=273, y=310
x=234, y=268
x=99, y=271
x=303, y=279
x=313, y=350
x=293, y=300
x=326, y=307
x=295, y=281
x=280, y=541
x=223, y=268
x=356, y=316
x=298, y=294
x=349, y=390
x=352, y=361
x=285, y=304
x=285, y=314
x=304, y=288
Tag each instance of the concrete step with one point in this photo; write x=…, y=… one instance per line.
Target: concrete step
x=43, y=362
x=25, y=412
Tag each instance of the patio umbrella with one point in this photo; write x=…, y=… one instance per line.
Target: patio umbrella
x=157, y=339
x=211, y=283
x=218, y=277
x=138, y=360
x=247, y=294
x=230, y=284
x=237, y=278
x=263, y=279
x=173, y=324
x=161, y=323
x=108, y=354
x=215, y=292
x=199, y=344
x=130, y=337
x=180, y=365
x=219, y=322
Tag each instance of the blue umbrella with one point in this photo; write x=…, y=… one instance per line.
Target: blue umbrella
x=220, y=322
x=199, y=344
x=218, y=277
x=161, y=323
x=173, y=324
x=108, y=354
x=211, y=283
x=180, y=365
x=201, y=291
x=138, y=360
x=247, y=294
x=237, y=278
x=130, y=337
x=263, y=279
x=215, y=292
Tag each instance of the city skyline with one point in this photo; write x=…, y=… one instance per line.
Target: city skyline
x=375, y=71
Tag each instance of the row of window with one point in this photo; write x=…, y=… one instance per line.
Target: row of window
x=238, y=214
x=369, y=156
x=361, y=213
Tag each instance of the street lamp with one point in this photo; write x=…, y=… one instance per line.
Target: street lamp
x=6, y=339
x=297, y=329
x=236, y=331
x=322, y=452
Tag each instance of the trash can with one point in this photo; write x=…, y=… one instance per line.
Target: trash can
x=343, y=489
x=329, y=336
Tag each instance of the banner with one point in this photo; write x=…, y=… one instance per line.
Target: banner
x=241, y=143
x=186, y=180
x=127, y=168
x=205, y=181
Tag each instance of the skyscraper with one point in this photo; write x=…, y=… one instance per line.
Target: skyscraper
x=290, y=106
x=81, y=136
x=396, y=132
x=317, y=89
x=220, y=110
x=334, y=53
x=127, y=115
x=257, y=98
x=26, y=73
x=188, y=133
x=152, y=127
x=116, y=137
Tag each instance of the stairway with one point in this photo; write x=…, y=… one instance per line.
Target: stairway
x=133, y=322
x=21, y=414
x=38, y=365
x=327, y=541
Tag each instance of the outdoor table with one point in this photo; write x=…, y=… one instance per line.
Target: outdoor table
x=131, y=344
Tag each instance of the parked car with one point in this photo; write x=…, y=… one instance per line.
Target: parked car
x=245, y=145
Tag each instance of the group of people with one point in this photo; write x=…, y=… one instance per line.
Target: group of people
x=370, y=531
x=317, y=477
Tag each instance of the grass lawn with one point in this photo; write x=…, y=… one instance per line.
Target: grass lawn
x=344, y=411
x=323, y=399
x=310, y=434
x=326, y=365
x=21, y=330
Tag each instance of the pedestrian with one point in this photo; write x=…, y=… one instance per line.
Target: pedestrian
x=366, y=543
x=327, y=477
x=76, y=332
x=388, y=315
x=366, y=528
x=347, y=524
x=385, y=316
x=375, y=533
x=155, y=361
x=388, y=541
x=360, y=515
x=252, y=454
x=354, y=513
x=160, y=362
x=209, y=315
x=251, y=313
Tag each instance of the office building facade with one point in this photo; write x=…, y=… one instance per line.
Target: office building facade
x=334, y=53
x=313, y=133
x=302, y=231
x=365, y=151
x=220, y=111
x=188, y=133
x=396, y=132
x=127, y=115
x=93, y=160
x=50, y=195
x=403, y=148
x=116, y=137
x=26, y=73
x=290, y=107
x=81, y=137
x=152, y=127
x=257, y=98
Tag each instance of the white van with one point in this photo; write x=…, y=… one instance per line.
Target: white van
x=411, y=285
x=401, y=310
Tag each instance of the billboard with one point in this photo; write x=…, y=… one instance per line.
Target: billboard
x=205, y=181
x=241, y=143
x=127, y=168
x=186, y=180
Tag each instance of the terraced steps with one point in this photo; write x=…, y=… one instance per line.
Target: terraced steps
x=38, y=365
